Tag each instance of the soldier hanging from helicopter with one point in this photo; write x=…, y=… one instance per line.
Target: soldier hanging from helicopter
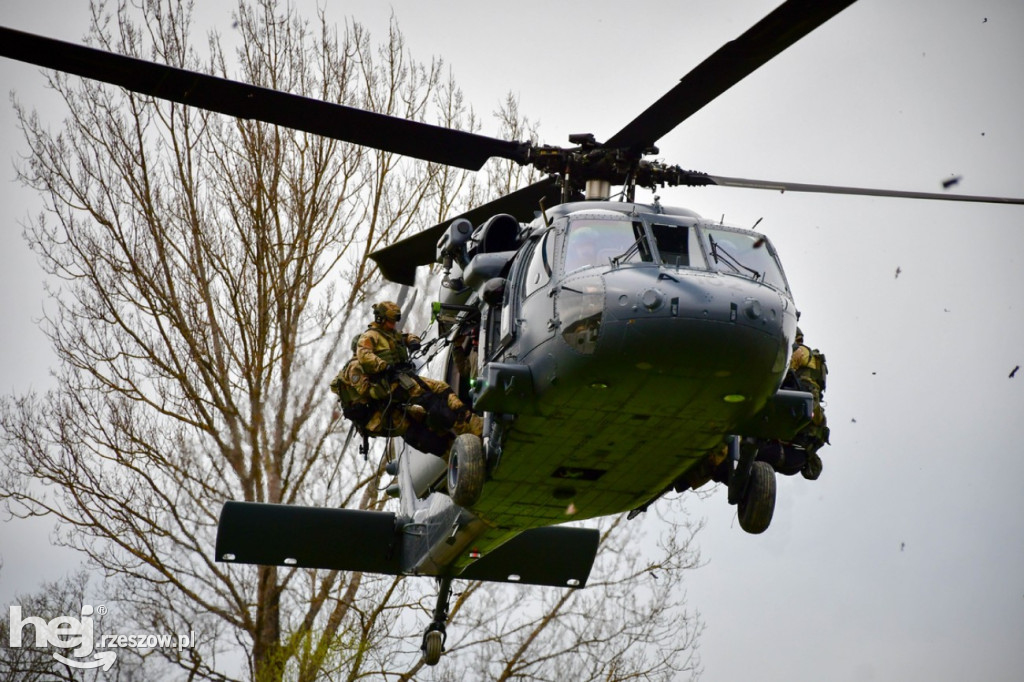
x=382, y=395
x=808, y=365
x=807, y=373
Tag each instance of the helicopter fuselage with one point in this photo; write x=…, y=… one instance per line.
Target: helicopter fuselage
x=608, y=370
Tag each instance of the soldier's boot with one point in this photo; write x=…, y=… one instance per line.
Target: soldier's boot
x=812, y=468
x=469, y=423
x=816, y=438
x=425, y=440
x=466, y=421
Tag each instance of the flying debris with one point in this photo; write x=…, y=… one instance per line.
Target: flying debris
x=898, y=271
x=949, y=182
x=1014, y=372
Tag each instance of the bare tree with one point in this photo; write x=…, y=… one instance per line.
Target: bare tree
x=205, y=272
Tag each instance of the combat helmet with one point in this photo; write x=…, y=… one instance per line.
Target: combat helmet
x=386, y=310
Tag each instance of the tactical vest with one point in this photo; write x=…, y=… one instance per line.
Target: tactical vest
x=815, y=371
x=393, y=351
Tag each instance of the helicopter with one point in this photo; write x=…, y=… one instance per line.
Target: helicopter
x=702, y=311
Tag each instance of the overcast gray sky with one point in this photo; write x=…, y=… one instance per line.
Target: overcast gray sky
x=905, y=561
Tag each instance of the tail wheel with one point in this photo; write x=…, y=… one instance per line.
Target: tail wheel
x=466, y=470
x=757, y=503
x=433, y=644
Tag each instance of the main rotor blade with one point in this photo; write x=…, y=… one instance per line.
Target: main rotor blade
x=401, y=136
x=398, y=262
x=866, y=191
x=733, y=62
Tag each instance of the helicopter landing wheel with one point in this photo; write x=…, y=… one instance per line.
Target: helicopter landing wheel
x=757, y=503
x=433, y=645
x=466, y=470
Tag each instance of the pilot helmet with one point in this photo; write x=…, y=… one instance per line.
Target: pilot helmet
x=387, y=310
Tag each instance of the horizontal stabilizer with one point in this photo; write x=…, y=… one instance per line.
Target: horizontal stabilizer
x=308, y=537
x=554, y=556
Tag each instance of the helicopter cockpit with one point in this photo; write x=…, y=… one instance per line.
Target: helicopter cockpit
x=586, y=269
x=595, y=240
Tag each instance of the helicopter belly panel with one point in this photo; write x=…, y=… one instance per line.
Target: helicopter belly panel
x=617, y=426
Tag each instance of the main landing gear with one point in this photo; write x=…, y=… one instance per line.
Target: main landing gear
x=751, y=487
x=435, y=636
x=467, y=470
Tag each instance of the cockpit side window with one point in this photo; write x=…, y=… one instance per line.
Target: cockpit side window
x=599, y=242
x=678, y=245
x=538, y=272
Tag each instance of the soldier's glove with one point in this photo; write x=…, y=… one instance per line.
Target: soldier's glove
x=414, y=345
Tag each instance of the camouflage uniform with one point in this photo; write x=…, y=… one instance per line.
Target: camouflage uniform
x=353, y=388
x=390, y=399
x=810, y=370
x=807, y=372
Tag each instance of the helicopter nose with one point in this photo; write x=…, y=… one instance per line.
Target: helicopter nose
x=692, y=345
x=685, y=324
x=697, y=296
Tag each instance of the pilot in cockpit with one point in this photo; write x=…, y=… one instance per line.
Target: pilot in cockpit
x=582, y=248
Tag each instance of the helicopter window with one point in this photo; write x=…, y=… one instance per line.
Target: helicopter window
x=580, y=311
x=538, y=273
x=678, y=245
x=599, y=242
x=747, y=255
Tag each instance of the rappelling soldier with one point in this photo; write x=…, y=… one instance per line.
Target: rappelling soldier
x=809, y=368
x=807, y=372
x=364, y=403
x=382, y=394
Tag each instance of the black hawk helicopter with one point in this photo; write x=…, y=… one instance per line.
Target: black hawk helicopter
x=615, y=350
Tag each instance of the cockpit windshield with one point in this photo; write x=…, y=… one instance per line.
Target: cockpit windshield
x=592, y=239
x=601, y=242
x=747, y=255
